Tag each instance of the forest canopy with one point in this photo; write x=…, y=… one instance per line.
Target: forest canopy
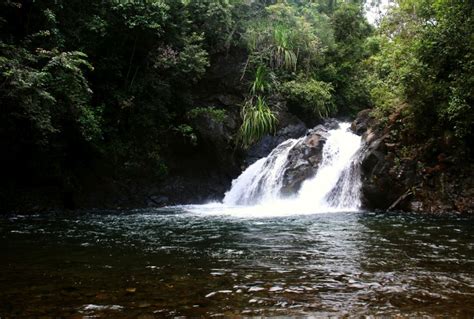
x=83, y=80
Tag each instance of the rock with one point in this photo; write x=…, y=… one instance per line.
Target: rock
x=229, y=99
x=269, y=142
x=362, y=122
x=402, y=173
x=305, y=157
x=380, y=188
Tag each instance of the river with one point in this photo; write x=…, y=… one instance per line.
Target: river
x=183, y=261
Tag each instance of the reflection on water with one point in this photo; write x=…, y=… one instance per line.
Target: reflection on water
x=177, y=262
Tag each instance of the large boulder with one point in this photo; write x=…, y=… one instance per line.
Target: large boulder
x=379, y=189
x=362, y=122
x=305, y=157
x=382, y=174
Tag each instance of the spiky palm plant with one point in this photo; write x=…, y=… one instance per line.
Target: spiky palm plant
x=258, y=120
x=284, y=55
x=260, y=84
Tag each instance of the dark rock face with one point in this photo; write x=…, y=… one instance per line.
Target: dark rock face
x=386, y=178
x=379, y=188
x=400, y=174
x=269, y=142
x=362, y=122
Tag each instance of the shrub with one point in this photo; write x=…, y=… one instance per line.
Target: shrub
x=311, y=97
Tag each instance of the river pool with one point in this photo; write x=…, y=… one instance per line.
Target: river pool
x=183, y=261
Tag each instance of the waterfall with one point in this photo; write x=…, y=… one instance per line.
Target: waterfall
x=261, y=181
x=337, y=183
x=335, y=186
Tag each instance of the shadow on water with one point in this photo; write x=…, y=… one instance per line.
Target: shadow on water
x=166, y=263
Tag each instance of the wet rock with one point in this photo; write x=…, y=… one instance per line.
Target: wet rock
x=305, y=157
x=362, y=122
x=400, y=173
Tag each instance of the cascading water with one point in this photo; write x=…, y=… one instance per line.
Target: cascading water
x=337, y=182
x=336, y=185
x=262, y=181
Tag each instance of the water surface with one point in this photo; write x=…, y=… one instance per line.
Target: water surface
x=181, y=262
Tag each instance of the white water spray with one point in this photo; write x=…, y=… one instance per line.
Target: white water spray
x=337, y=182
x=261, y=181
x=335, y=187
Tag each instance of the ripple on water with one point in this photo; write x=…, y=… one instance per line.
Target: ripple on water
x=183, y=263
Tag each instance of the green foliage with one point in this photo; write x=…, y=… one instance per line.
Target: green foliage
x=48, y=89
x=349, y=24
x=215, y=20
x=345, y=67
x=286, y=37
x=257, y=121
x=257, y=117
x=142, y=15
x=218, y=115
x=187, y=132
x=111, y=77
x=193, y=60
x=260, y=84
x=80, y=79
x=324, y=42
x=283, y=53
x=426, y=62
x=311, y=97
